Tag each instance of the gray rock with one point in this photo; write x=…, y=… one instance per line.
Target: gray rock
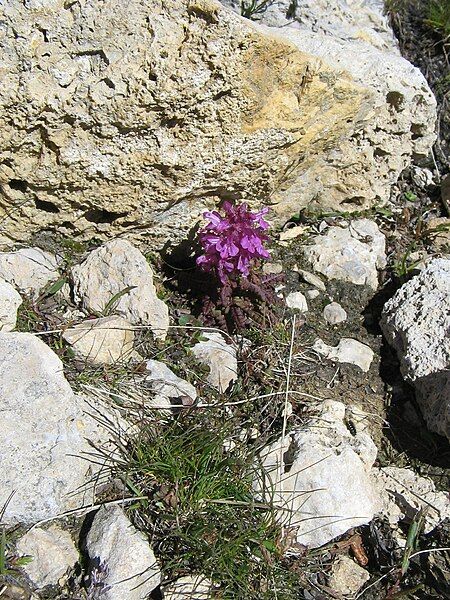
x=297, y=301
x=103, y=341
x=347, y=577
x=10, y=300
x=221, y=359
x=319, y=477
x=333, y=313
x=53, y=553
x=351, y=253
x=403, y=493
x=124, y=554
x=192, y=587
x=166, y=384
x=42, y=434
x=29, y=270
x=113, y=268
x=347, y=351
x=416, y=322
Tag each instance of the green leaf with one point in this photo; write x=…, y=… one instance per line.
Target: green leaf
x=112, y=303
x=185, y=320
x=55, y=287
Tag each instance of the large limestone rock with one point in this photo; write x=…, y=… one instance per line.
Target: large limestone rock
x=136, y=115
x=416, y=322
x=123, y=555
x=42, y=433
x=319, y=477
x=355, y=37
x=116, y=277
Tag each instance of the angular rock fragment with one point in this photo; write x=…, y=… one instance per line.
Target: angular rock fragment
x=221, y=359
x=297, y=301
x=104, y=341
x=403, y=493
x=347, y=351
x=319, y=477
x=350, y=253
x=29, y=270
x=53, y=554
x=167, y=385
x=192, y=587
x=116, y=277
x=333, y=313
x=42, y=435
x=416, y=322
x=120, y=557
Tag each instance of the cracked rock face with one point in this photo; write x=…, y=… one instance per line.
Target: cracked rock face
x=137, y=115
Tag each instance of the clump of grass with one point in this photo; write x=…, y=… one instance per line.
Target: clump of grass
x=438, y=17
x=201, y=513
x=253, y=8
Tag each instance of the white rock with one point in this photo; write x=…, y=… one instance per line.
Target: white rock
x=416, y=322
x=42, y=435
x=29, y=270
x=166, y=384
x=312, y=279
x=347, y=351
x=319, y=477
x=132, y=572
x=333, y=313
x=422, y=177
x=221, y=359
x=403, y=493
x=53, y=553
x=297, y=301
x=104, y=341
x=192, y=587
x=110, y=270
x=347, y=577
x=10, y=301
x=352, y=253
x=312, y=294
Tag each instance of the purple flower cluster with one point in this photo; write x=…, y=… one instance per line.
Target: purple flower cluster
x=231, y=242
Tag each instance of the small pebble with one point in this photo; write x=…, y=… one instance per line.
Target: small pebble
x=274, y=268
x=312, y=294
x=297, y=300
x=333, y=313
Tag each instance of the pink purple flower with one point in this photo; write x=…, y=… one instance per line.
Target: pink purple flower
x=233, y=241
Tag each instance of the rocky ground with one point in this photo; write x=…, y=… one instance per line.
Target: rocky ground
x=147, y=455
